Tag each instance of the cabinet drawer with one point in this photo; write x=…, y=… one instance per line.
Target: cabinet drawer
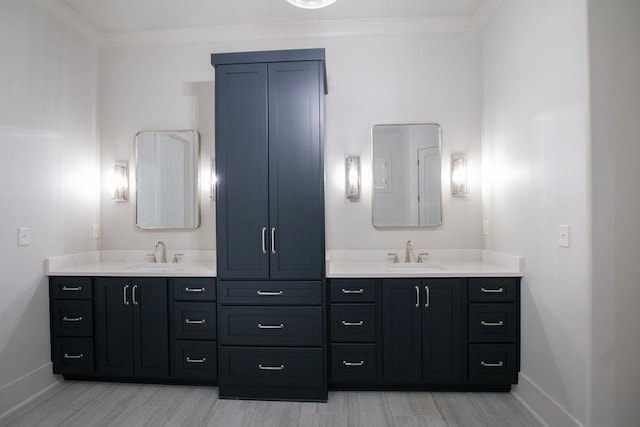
x=494, y=289
x=353, y=363
x=195, y=360
x=492, y=322
x=277, y=367
x=73, y=356
x=277, y=326
x=193, y=289
x=493, y=364
x=72, y=318
x=270, y=293
x=194, y=320
x=353, y=322
x=353, y=290
x=71, y=287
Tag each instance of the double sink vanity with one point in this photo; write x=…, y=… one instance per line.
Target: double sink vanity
x=272, y=314
x=451, y=322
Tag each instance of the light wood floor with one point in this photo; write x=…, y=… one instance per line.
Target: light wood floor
x=113, y=404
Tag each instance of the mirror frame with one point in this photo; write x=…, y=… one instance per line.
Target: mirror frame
x=198, y=179
x=403, y=227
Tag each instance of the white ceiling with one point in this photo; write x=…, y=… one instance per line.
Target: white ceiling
x=113, y=16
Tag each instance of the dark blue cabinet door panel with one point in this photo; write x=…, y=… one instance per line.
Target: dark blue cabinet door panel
x=241, y=153
x=402, y=331
x=442, y=331
x=296, y=170
x=150, y=325
x=114, y=332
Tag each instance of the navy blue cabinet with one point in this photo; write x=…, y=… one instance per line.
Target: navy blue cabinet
x=269, y=162
x=270, y=224
x=132, y=337
x=422, y=331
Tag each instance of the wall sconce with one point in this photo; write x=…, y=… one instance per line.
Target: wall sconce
x=352, y=176
x=458, y=174
x=120, y=181
x=213, y=179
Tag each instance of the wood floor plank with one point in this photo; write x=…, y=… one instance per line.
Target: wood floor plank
x=47, y=414
x=412, y=403
x=420, y=421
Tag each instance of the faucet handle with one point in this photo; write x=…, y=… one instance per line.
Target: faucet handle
x=151, y=256
x=393, y=257
x=177, y=258
x=420, y=255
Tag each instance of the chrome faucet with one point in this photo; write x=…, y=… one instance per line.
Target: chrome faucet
x=163, y=256
x=409, y=253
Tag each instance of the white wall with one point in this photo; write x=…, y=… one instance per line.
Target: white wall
x=48, y=179
x=536, y=176
x=614, y=35
x=392, y=78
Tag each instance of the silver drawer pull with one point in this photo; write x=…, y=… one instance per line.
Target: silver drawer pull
x=492, y=365
x=72, y=319
x=273, y=240
x=194, y=289
x=280, y=326
x=190, y=360
x=499, y=323
x=360, y=363
x=195, y=322
x=492, y=291
x=345, y=323
x=264, y=240
x=270, y=368
x=353, y=291
x=73, y=356
x=72, y=288
x=270, y=293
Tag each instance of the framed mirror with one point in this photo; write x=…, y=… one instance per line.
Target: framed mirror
x=167, y=179
x=407, y=187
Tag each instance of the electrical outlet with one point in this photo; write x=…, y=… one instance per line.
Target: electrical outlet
x=24, y=236
x=564, y=237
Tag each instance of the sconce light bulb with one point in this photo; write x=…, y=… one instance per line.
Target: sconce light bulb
x=352, y=164
x=459, y=174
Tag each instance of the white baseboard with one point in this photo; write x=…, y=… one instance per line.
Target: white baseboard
x=543, y=406
x=25, y=389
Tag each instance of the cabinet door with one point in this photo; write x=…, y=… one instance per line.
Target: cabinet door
x=296, y=188
x=150, y=327
x=114, y=333
x=242, y=169
x=442, y=331
x=402, y=331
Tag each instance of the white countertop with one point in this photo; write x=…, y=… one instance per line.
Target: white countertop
x=339, y=264
x=440, y=263
x=131, y=264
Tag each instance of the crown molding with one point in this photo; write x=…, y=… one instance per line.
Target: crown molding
x=484, y=11
x=292, y=30
x=287, y=30
x=74, y=20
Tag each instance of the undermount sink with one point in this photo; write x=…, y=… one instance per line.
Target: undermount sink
x=414, y=266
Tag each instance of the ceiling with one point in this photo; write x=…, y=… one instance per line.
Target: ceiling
x=113, y=16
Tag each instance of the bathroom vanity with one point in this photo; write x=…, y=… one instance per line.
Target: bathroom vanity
x=451, y=324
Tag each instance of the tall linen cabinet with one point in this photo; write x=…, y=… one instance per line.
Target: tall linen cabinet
x=269, y=109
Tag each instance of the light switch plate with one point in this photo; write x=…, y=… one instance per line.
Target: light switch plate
x=95, y=231
x=564, y=237
x=24, y=236
x=485, y=227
